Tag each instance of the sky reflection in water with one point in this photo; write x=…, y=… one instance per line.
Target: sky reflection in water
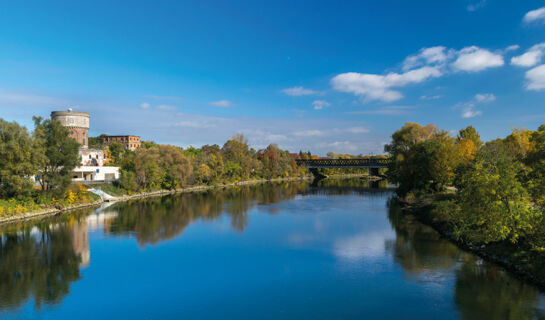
x=284, y=250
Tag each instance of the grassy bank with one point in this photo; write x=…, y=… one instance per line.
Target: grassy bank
x=14, y=210
x=521, y=257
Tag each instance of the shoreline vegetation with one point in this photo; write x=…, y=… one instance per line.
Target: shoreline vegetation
x=488, y=198
x=121, y=195
x=141, y=195
x=36, y=167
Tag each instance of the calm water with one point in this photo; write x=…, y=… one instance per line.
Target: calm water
x=290, y=251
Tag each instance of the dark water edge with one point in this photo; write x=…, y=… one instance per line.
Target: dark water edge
x=505, y=254
x=335, y=249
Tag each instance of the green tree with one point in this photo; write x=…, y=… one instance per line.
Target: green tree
x=115, y=150
x=494, y=204
x=60, y=155
x=471, y=134
x=17, y=160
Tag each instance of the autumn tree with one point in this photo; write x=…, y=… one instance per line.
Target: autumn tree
x=495, y=206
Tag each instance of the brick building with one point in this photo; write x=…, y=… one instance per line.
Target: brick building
x=76, y=122
x=128, y=142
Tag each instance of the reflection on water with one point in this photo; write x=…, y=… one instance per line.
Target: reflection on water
x=337, y=232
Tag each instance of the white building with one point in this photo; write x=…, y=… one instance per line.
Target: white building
x=95, y=173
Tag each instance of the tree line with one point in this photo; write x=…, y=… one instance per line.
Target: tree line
x=48, y=153
x=155, y=166
x=497, y=188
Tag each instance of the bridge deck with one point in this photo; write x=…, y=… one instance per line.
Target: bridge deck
x=343, y=163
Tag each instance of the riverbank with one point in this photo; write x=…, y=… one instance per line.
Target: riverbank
x=57, y=210
x=520, y=259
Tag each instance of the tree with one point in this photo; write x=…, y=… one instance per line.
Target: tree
x=115, y=149
x=471, y=134
x=412, y=151
x=97, y=142
x=17, y=160
x=494, y=204
x=60, y=155
x=535, y=160
x=161, y=166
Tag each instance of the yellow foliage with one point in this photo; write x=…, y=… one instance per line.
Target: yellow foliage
x=466, y=149
x=70, y=197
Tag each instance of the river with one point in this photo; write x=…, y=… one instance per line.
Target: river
x=335, y=250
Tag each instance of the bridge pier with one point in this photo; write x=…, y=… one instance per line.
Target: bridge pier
x=373, y=172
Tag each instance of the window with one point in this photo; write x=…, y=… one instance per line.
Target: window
x=90, y=157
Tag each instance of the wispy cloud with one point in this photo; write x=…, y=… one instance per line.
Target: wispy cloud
x=434, y=97
x=485, y=97
x=469, y=108
x=476, y=6
x=535, y=16
x=299, y=91
x=144, y=105
x=166, y=107
x=31, y=99
x=221, y=103
x=388, y=111
x=320, y=104
x=309, y=133
x=357, y=130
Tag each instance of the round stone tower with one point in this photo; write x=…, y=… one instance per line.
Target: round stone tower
x=76, y=122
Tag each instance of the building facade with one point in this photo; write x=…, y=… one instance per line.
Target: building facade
x=76, y=122
x=128, y=142
x=93, y=157
x=92, y=166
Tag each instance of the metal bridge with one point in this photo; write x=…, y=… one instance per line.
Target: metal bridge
x=343, y=163
x=314, y=164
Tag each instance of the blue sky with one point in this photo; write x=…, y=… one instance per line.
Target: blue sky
x=321, y=75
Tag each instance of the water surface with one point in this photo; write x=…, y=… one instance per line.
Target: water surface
x=336, y=250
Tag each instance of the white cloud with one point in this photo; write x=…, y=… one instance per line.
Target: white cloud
x=473, y=59
x=357, y=130
x=320, y=104
x=512, y=48
x=468, y=108
x=485, y=97
x=426, y=56
x=144, y=105
x=308, y=133
x=439, y=96
x=536, y=78
x=537, y=15
x=378, y=87
x=165, y=107
x=470, y=113
x=221, y=103
x=432, y=62
x=299, y=91
x=476, y=6
x=531, y=57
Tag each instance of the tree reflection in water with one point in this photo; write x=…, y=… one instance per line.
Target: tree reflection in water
x=38, y=261
x=481, y=290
